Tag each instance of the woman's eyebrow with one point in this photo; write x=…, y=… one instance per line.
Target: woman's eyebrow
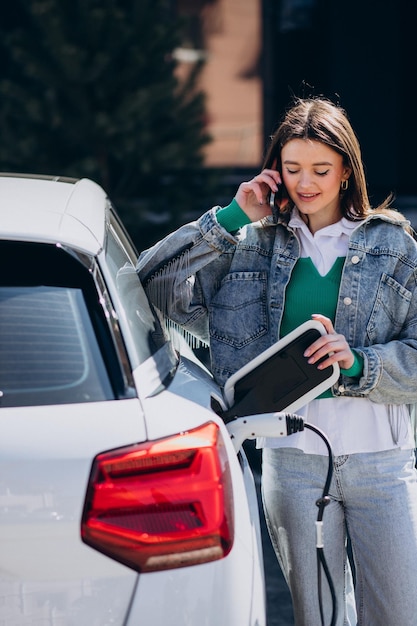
x=288, y=162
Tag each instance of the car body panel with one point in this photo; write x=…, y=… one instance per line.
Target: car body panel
x=68, y=212
x=81, y=430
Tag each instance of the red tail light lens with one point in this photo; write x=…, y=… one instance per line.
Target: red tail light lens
x=162, y=504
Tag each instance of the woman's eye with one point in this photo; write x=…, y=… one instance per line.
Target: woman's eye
x=292, y=171
x=322, y=173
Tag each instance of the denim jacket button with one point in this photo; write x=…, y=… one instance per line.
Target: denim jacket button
x=341, y=389
x=355, y=259
x=347, y=301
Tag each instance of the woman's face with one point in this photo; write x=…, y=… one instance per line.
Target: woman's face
x=312, y=173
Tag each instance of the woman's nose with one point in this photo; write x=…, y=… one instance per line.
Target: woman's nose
x=304, y=180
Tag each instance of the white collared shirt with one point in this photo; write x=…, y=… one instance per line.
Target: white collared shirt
x=326, y=245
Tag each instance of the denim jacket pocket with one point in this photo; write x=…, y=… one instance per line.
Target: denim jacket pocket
x=238, y=312
x=390, y=309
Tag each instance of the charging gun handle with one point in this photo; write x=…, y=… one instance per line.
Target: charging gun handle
x=263, y=425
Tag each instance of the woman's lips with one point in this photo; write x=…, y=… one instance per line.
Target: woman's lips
x=308, y=197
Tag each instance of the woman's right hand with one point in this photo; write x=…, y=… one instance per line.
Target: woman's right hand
x=252, y=196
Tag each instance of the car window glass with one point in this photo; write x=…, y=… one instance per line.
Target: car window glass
x=49, y=353
x=54, y=327
x=144, y=326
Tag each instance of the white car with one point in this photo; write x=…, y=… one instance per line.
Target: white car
x=122, y=498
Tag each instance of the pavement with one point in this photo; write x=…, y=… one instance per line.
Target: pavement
x=278, y=599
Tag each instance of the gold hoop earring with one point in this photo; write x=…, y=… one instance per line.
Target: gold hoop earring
x=344, y=184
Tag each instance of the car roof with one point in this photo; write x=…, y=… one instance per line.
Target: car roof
x=49, y=209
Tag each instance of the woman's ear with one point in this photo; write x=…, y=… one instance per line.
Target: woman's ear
x=347, y=171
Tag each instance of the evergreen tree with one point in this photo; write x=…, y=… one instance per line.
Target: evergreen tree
x=89, y=89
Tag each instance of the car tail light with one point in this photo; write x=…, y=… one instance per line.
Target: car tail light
x=162, y=504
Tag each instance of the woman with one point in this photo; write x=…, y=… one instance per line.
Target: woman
x=241, y=277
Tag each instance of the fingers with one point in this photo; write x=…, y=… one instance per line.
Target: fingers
x=333, y=348
x=327, y=323
x=258, y=187
x=332, y=345
x=272, y=178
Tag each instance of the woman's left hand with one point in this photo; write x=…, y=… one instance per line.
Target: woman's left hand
x=332, y=344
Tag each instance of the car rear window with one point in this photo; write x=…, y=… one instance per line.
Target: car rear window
x=52, y=335
x=48, y=349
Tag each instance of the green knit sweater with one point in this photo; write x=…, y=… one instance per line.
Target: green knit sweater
x=308, y=292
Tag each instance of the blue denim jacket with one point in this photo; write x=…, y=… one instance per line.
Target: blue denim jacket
x=228, y=290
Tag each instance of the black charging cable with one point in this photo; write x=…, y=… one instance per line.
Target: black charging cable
x=322, y=502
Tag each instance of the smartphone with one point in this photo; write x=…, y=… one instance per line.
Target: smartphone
x=276, y=200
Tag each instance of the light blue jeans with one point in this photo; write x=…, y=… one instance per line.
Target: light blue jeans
x=373, y=500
